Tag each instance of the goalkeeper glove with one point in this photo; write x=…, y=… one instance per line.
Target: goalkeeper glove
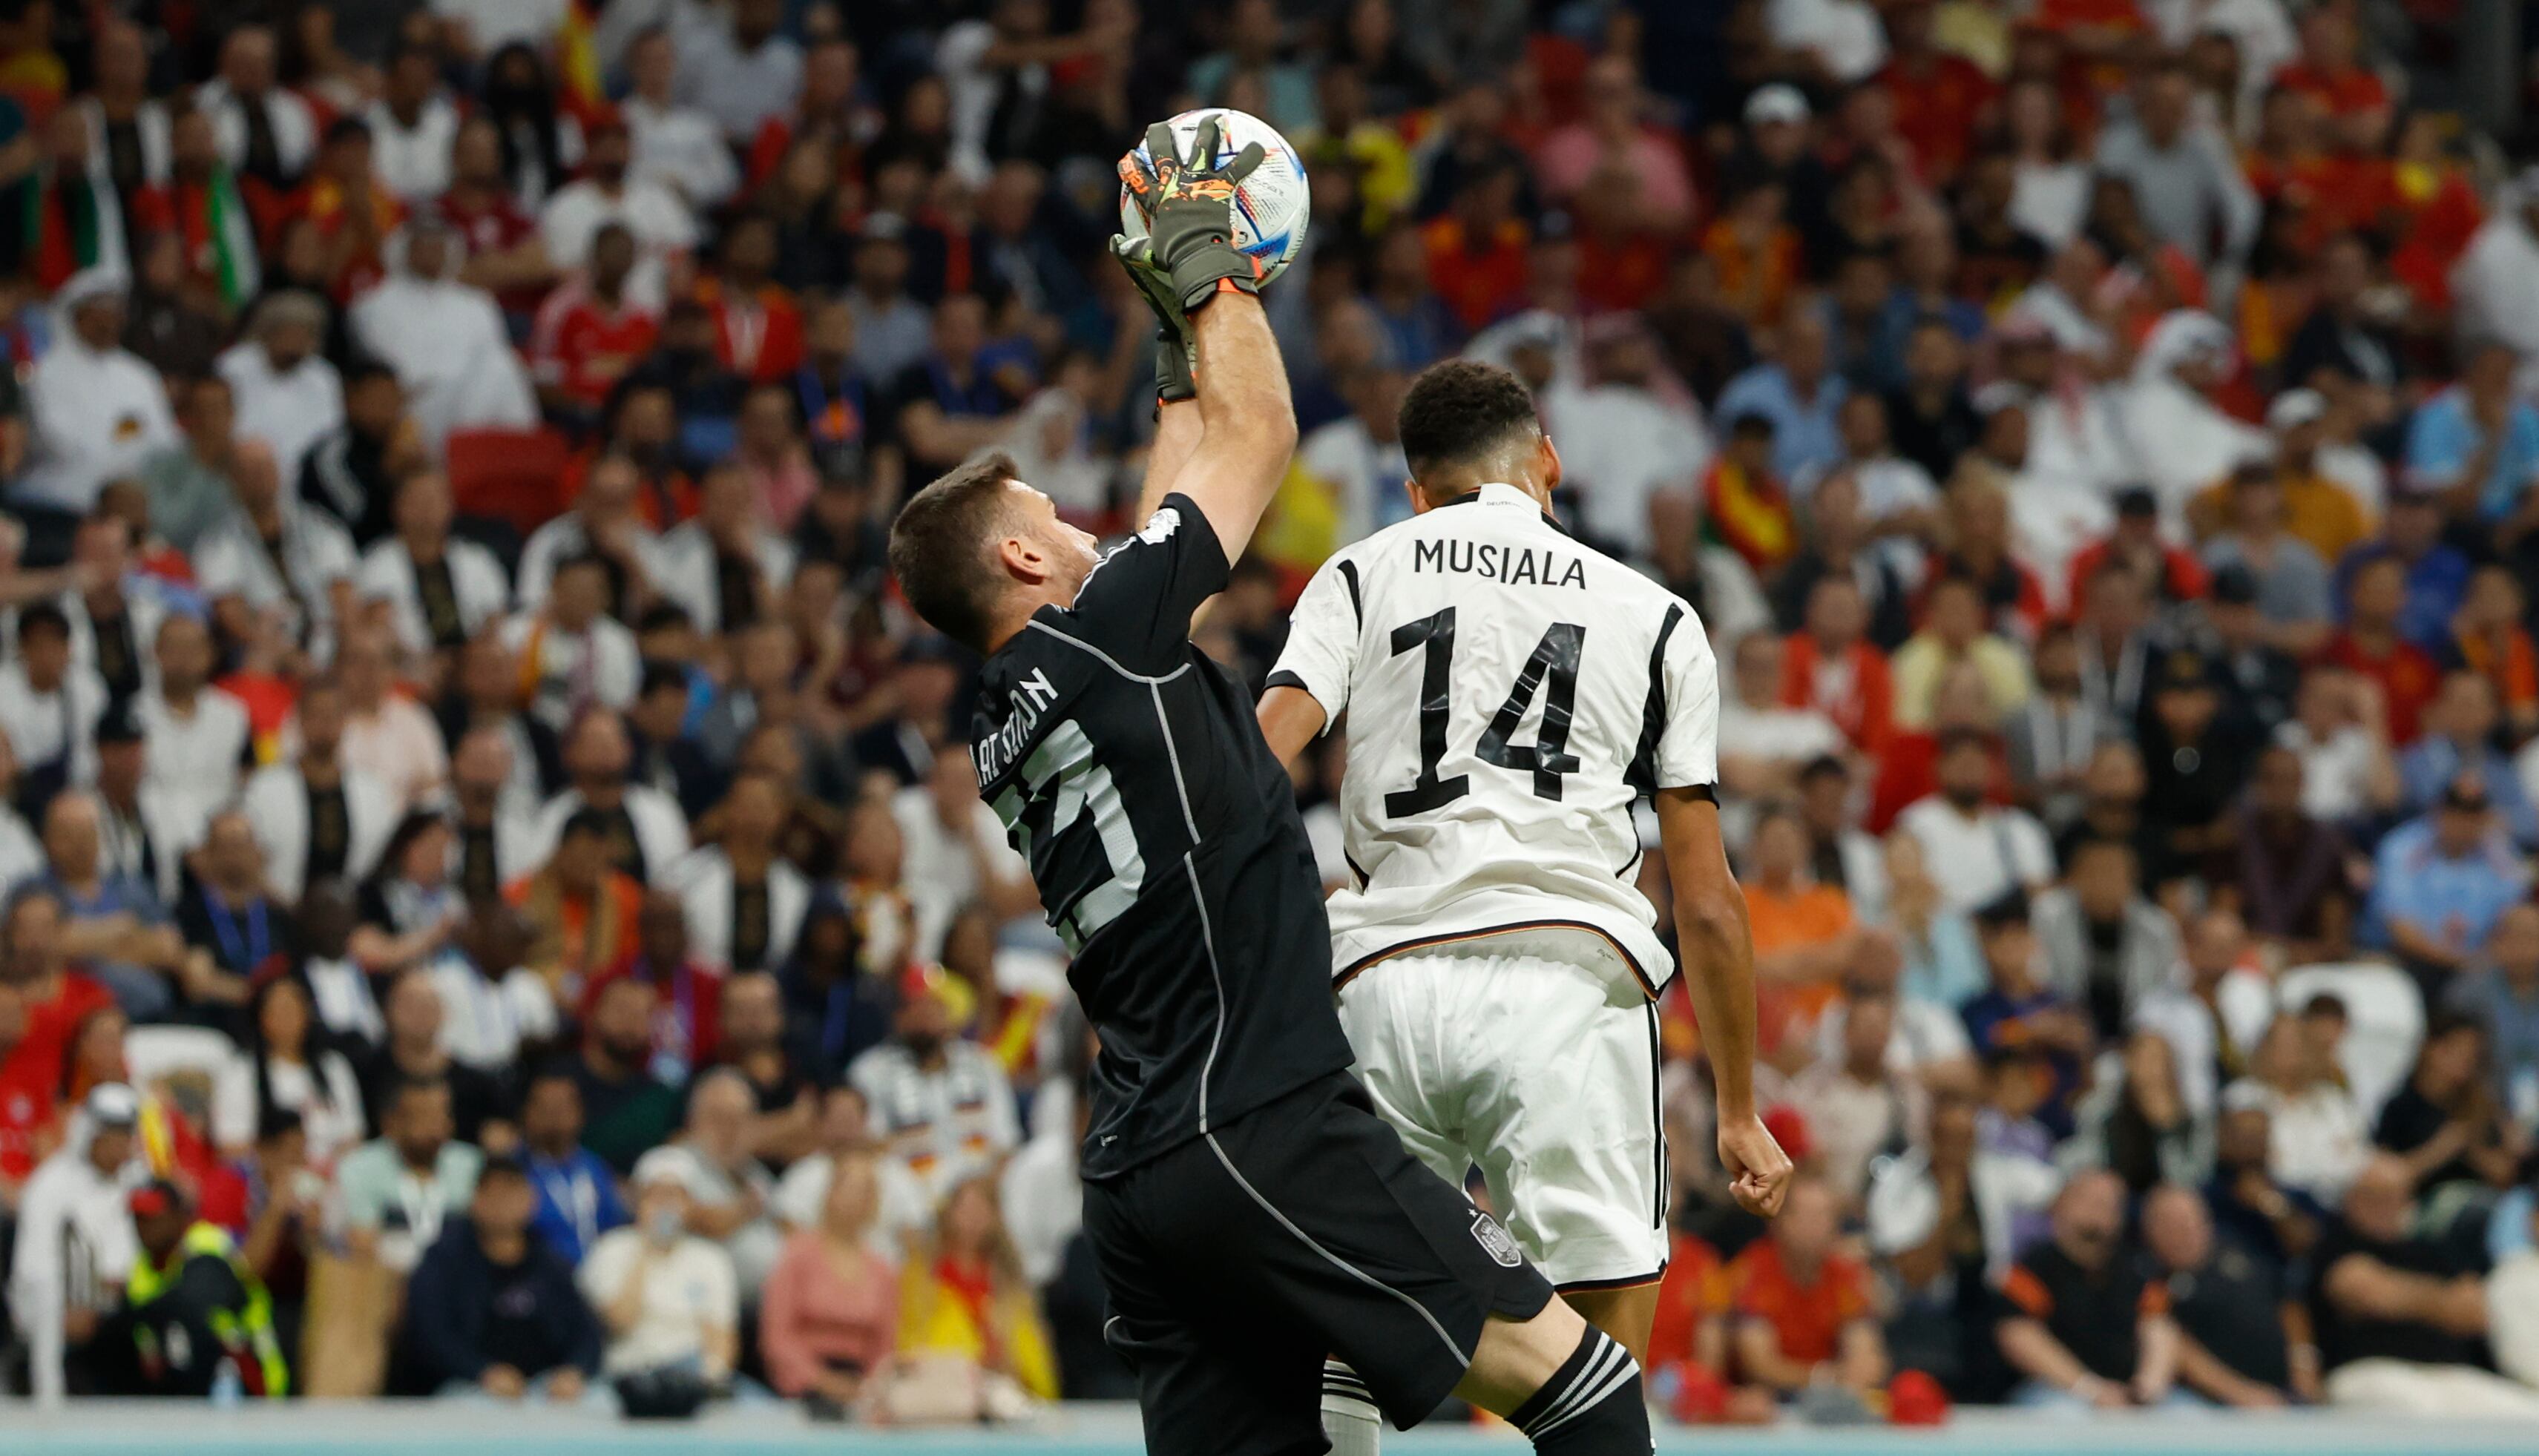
x=1189, y=203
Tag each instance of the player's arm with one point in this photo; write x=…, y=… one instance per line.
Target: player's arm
x=1713, y=938
x=1206, y=290
x=1248, y=422
x=1290, y=719
x=1717, y=949
x=1176, y=435
x=1310, y=684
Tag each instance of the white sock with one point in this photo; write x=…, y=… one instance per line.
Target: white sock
x=1351, y=1421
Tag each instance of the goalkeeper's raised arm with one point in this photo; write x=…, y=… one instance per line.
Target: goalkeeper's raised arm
x=1226, y=425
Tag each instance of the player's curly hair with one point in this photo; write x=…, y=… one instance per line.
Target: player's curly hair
x=1460, y=412
x=938, y=547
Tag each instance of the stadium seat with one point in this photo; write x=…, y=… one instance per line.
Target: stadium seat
x=507, y=475
x=2385, y=1021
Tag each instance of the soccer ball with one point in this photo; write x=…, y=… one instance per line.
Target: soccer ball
x=1271, y=207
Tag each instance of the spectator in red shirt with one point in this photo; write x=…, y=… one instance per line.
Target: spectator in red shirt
x=1802, y=1310
x=2329, y=68
x=641, y=422
x=1613, y=139
x=54, y=998
x=2370, y=644
x=758, y=326
x=1939, y=96
x=504, y=254
x=1476, y=252
x=24, y=1108
x=1692, y=1302
x=832, y=107
x=2173, y=572
x=687, y=1016
x=353, y=212
x=589, y=333
x=1831, y=666
x=1910, y=767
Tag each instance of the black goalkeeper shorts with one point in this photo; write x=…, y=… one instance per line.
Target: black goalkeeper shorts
x=1238, y=1261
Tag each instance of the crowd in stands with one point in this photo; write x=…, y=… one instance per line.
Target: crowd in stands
x=498, y=905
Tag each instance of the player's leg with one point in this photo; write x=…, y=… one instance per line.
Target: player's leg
x=1394, y=1022
x=1205, y=1385
x=1420, y=1292
x=1562, y=1112
x=1627, y=1314
x=1569, y=1386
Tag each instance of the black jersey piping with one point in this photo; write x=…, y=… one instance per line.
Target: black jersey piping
x=1351, y=971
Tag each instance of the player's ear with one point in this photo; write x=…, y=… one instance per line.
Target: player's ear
x=1418, y=498
x=1022, y=560
x=1546, y=458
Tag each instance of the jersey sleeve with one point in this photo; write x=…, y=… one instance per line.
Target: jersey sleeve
x=1323, y=632
x=1688, y=745
x=1136, y=605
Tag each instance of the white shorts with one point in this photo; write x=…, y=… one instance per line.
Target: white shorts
x=1542, y=1074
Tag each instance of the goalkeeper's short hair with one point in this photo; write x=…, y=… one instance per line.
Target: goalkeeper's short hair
x=1463, y=412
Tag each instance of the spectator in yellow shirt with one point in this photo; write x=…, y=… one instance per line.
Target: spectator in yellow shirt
x=964, y=1296
x=2316, y=509
x=1953, y=631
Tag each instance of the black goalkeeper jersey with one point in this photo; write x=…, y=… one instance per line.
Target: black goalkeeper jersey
x=1129, y=772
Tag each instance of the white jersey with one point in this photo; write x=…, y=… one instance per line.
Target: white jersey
x=1510, y=694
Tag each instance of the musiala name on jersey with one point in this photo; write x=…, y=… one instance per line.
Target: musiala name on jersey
x=1515, y=565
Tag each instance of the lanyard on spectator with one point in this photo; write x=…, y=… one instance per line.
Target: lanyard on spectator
x=244, y=958
x=568, y=1189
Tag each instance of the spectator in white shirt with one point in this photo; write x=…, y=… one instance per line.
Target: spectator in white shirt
x=445, y=339
x=266, y=130
x=740, y=69
x=940, y=1103
x=2496, y=281
x=194, y=735
x=745, y=902
x=955, y=852
x=1622, y=441
x=725, y=558
x=75, y=1243
x=605, y=519
x=1764, y=745
x=318, y=817
x=49, y=706
x=492, y=1005
x=597, y=753
x=2316, y=1137
x=1977, y=851
x=675, y=145
x=286, y=1066
x=96, y=410
x=846, y=1131
x=412, y=125
x=1858, y=1106
x=1359, y=456
x=386, y=734
x=665, y=1296
x=440, y=590
x=664, y=229
x=271, y=562
x=574, y=655
x=286, y=393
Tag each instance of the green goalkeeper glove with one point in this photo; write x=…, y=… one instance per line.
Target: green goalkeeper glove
x=1189, y=203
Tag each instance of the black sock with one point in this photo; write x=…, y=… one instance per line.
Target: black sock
x=1593, y=1407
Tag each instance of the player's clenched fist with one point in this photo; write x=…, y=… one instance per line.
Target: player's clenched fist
x=1758, y=1171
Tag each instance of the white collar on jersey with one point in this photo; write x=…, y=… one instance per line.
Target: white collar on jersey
x=1500, y=492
